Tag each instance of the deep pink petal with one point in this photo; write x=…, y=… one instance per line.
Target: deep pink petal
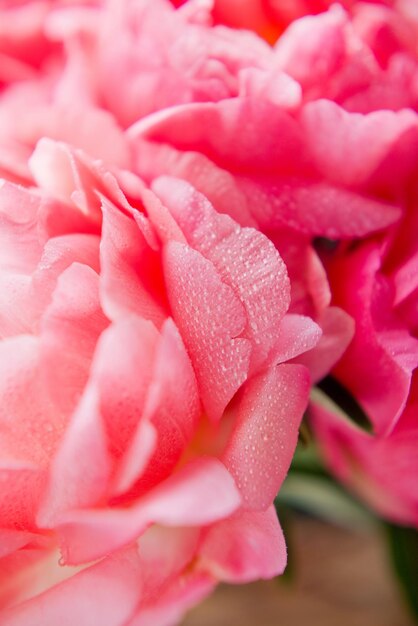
x=380, y=470
x=377, y=366
x=23, y=486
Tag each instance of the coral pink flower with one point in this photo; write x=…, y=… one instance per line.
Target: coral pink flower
x=269, y=18
x=148, y=415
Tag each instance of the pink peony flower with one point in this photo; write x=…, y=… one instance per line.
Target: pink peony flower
x=294, y=171
x=148, y=415
x=377, y=284
x=374, y=281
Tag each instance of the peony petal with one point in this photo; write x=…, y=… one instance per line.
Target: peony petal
x=382, y=354
x=297, y=334
x=121, y=374
x=380, y=470
x=198, y=494
x=69, y=330
x=337, y=332
x=173, y=407
x=312, y=48
x=131, y=280
x=57, y=255
x=25, y=405
x=22, y=487
x=336, y=138
x=238, y=134
x=247, y=546
x=218, y=185
x=316, y=208
x=266, y=431
x=20, y=248
x=209, y=317
x=243, y=257
x=80, y=471
x=119, y=579
x=165, y=553
x=168, y=609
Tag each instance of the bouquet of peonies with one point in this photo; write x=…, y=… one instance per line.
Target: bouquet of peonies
x=208, y=227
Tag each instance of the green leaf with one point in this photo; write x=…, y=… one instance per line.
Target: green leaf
x=321, y=497
x=403, y=547
x=307, y=459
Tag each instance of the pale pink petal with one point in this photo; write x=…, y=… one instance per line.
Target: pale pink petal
x=266, y=431
x=121, y=374
x=20, y=248
x=17, y=308
x=136, y=459
x=69, y=330
x=25, y=405
x=57, y=255
x=105, y=593
x=80, y=471
x=165, y=553
x=12, y=540
x=313, y=47
x=210, y=317
x=273, y=85
x=200, y=493
x=168, y=609
x=173, y=407
x=247, y=546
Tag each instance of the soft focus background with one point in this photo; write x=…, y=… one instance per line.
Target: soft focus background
x=341, y=577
